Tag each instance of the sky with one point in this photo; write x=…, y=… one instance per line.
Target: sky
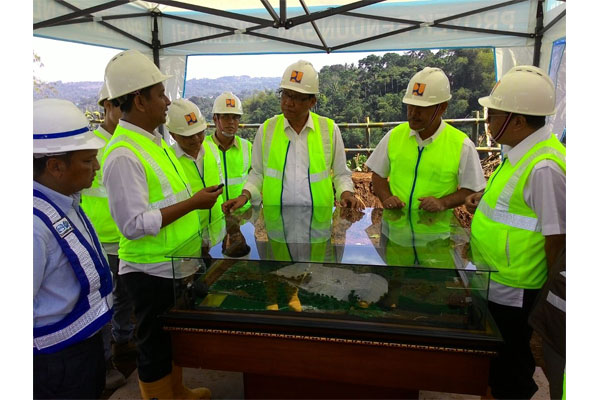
x=91, y=60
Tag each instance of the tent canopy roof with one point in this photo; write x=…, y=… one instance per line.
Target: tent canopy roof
x=193, y=27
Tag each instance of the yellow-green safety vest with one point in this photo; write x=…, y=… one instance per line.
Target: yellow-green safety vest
x=505, y=232
x=275, y=146
x=167, y=185
x=94, y=202
x=421, y=172
x=212, y=176
x=235, y=164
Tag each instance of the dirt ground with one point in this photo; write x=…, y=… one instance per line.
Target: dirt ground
x=364, y=190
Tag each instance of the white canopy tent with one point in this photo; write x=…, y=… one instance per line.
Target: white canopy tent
x=520, y=31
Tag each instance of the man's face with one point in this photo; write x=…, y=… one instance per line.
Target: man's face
x=190, y=144
x=496, y=120
x=156, y=104
x=295, y=105
x=419, y=118
x=228, y=123
x=79, y=170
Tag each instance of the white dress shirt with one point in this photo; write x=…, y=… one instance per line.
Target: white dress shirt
x=296, y=188
x=470, y=173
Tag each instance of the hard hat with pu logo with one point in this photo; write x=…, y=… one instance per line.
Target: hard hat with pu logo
x=301, y=77
x=227, y=103
x=428, y=87
x=184, y=118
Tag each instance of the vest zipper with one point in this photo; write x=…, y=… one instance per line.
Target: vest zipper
x=225, y=173
x=493, y=178
x=412, y=190
x=203, y=184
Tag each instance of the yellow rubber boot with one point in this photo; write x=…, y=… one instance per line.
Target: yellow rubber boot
x=182, y=392
x=161, y=389
x=294, y=302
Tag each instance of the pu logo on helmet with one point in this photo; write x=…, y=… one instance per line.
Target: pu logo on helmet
x=63, y=227
x=191, y=118
x=418, y=89
x=296, y=76
x=230, y=103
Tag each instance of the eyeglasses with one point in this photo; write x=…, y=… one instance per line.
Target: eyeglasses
x=295, y=98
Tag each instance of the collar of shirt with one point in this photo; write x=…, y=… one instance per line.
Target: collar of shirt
x=62, y=201
x=515, y=154
x=308, y=125
x=104, y=132
x=154, y=136
x=179, y=152
x=219, y=144
x=423, y=143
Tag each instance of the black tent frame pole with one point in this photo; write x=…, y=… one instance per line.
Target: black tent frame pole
x=539, y=33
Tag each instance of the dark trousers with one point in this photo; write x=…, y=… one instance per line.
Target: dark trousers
x=151, y=296
x=511, y=373
x=77, y=372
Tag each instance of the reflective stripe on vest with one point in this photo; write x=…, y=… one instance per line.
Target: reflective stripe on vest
x=320, y=160
x=167, y=184
x=93, y=307
x=500, y=212
x=557, y=301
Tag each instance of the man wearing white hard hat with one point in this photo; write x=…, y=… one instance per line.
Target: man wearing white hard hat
x=298, y=156
x=519, y=222
x=235, y=152
x=153, y=207
x=94, y=202
x=199, y=157
x=425, y=164
x=72, y=284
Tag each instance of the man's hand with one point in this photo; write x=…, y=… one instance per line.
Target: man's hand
x=393, y=202
x=206, y=198
x=233, y=204
x=432, y=204
x=472, y=201
x=348, y=200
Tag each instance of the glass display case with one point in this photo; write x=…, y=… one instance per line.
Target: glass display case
x=383, y=278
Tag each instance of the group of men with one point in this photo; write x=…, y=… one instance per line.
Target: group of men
x=150, y=197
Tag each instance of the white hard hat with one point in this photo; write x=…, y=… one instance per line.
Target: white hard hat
x=102, y=94
x=227, y=103
x=428, y=87
x=129, y=71
x=184, y=118
x=524, y=89
x=300, y=77
x=59, y=126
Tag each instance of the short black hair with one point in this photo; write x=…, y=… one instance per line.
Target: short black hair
x=126, y=102
x=39, y=164
x=535, y=121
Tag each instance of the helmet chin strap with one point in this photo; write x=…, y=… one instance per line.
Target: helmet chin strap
x=503, y=128
x=227, y=135
x=437, y=108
